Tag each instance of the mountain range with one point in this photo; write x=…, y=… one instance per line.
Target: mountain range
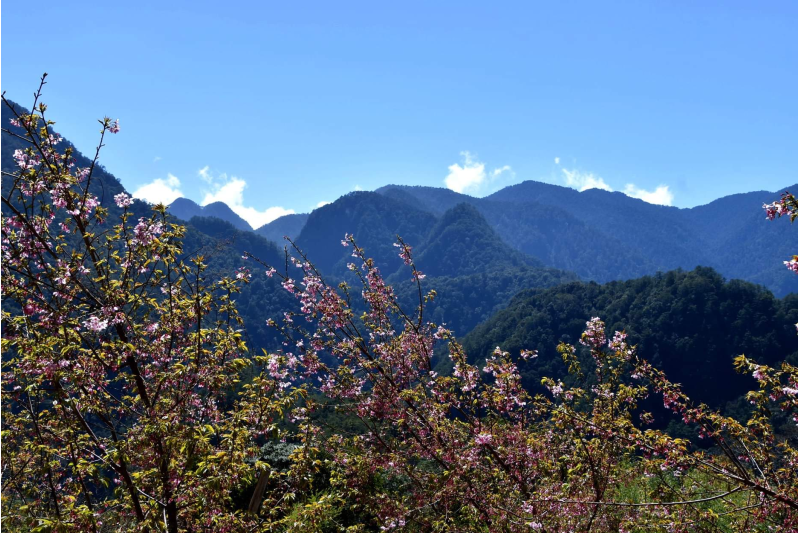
x=599, y=235
x=526, y=266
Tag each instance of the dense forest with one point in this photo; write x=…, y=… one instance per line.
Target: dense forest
x=690, y=324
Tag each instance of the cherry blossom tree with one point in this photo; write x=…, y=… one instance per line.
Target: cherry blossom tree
x=472, y=450
x=131, y=402
x=123, y=407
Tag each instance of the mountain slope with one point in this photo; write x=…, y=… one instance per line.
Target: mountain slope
x=658, y=232
x=462, y=242
x=473, y=272
x=287, y=225
x=373, y=219
x=562, y=241
x=548, y=233
x=464, y=300
x=220, y=243
x=742, y=244
x=690, y=324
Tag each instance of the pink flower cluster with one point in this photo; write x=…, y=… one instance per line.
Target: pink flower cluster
x=95, y=324
x=26, y=160
x=123, y=200
x=146, y=231
x=595, y=335
x=776, y=209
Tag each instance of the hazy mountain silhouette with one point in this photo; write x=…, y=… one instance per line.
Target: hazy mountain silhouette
x=185, y=209
x=285, y=226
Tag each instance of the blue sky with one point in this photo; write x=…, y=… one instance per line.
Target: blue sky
x=275, y=106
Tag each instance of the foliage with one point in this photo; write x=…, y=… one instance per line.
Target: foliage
x=131, y=401
x=458, y=452
x=117, y=372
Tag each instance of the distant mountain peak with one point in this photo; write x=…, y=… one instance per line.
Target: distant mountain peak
x=374, y=219
x=464, y=211
x=181, y=201
x=185, y=209
x=463, y=242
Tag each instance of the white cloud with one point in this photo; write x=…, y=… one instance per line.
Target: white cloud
x=472, y=176
x=469, y=176
x=205, y=174
x=160, y=191
x=231, y=192
x=496, y=172
x=320, y=204
x=156, y=159
x=661, y=195
x=357, y=188
x=557, y=160
x=584, y=180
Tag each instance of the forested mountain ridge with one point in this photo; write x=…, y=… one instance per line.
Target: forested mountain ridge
x=375, y=220
x=690, y=324
x=472, y=270
x=604, y=236
x=599, y=235
x=462, y=242
x=467, y=295
x=725, y=234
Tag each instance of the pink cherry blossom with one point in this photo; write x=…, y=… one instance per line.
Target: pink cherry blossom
x=123, y=200
x=95, y=324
